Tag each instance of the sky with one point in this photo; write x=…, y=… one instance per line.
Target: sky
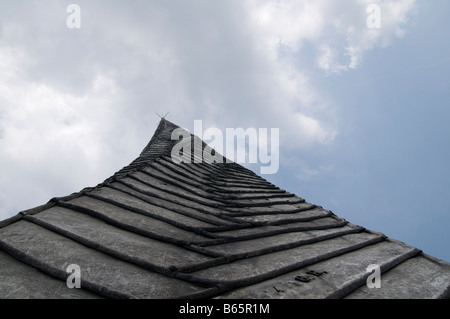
x=363, y=110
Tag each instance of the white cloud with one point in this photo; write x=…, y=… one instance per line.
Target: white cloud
x=351, y=37
x=287, y=22
x=49, y=137
x=338, y=29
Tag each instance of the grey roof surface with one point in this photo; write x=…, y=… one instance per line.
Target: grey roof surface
x=157, y=229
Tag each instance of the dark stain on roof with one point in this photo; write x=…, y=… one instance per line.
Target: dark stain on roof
x=156, y=229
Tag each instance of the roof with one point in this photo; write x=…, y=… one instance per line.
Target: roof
x=157, y=229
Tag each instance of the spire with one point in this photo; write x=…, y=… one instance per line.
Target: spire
x=157, y=229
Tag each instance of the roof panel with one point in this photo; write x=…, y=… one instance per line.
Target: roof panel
x=135, y=222
x=20, y=281
x=52, y=253
x=264, y=231
x=252, y=247
x=333, y=277
x=252, y=270
x=421, y=277
x=137, y=204
x=176, y=194
x=283, y=218
x=144, y=251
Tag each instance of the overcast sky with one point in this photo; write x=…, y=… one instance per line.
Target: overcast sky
x=363, y=113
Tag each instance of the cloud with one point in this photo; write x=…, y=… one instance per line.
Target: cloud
x=352, y=36
x=337, y=29
x=50, y=141
x=81, y=102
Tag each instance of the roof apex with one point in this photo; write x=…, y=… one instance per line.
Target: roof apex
x=164, y=129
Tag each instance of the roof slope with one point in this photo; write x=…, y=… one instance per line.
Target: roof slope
x=157, y=229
